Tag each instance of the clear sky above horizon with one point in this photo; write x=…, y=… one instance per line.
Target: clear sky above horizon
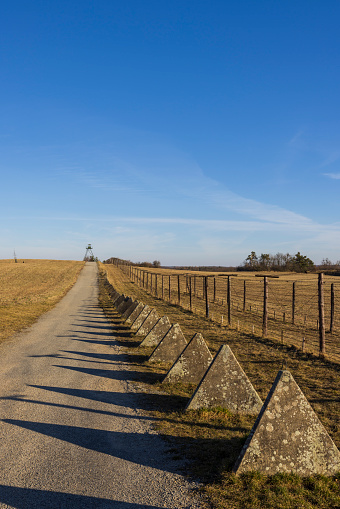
x=191, y=132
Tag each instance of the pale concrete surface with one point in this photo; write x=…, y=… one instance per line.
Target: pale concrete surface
x=192, y=363
x=171, y=346
x=225, y=384
x=73, y=433
x=288, y=436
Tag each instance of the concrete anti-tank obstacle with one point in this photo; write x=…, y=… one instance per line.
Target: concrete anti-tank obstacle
x=125, y=304
x=192, y=363
x=129, y=310
x=140, y=318
x=148, y=323
x=171, y=346
x=115, y=297
x=226, y=385
x=113, y=293
x=288, y=436
x=136, y=312
x=119, y=301
x=157, y=333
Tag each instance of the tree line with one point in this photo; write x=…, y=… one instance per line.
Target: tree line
x=285, y=262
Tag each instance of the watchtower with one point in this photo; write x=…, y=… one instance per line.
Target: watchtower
x=89, y=257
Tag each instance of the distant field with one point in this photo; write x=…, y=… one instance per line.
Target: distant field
x=30, y=288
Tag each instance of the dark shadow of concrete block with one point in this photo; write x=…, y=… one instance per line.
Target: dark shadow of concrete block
x=129, y=310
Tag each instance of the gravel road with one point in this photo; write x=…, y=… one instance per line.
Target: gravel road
x=72, y=432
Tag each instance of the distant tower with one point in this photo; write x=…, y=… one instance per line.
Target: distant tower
x=89, y=254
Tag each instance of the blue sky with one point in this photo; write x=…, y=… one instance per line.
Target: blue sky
x=191, y=132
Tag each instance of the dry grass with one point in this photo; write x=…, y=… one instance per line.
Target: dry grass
x=212, y=439
x=30, y=289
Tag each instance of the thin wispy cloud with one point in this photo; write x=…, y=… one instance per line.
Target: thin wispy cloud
x=296, y=138
x=334, y=176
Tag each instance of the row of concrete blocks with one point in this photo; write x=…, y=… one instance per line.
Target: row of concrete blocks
x=287, y=435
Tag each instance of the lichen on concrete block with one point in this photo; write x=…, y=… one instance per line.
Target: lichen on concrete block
x=140, y=318
x=288, y=436
x=225, y=384
x=136, y=312
x=157, y=333
x=171, y=346
x=192, y=363
x=148, y=323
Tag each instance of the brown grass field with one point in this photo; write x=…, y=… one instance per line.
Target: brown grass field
x=304, y=331
x=212, y=439
x=29, y=289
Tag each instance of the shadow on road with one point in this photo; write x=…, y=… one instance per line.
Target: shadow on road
x=138, y=448
x=129, y=375
x=26, y=498
x=123, y=399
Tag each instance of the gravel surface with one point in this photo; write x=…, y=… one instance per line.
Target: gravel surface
x=72, y=431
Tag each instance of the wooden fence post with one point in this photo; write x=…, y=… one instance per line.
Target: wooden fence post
x=205, y=280
x=331, y=328
x=170, y=288
x=151, y=274
x=156, y=285
x=265, y=307
x=214, y=289
x=162, y=286
x=229, y=300
x=293, y=304
x=190, y=294
x=322, y=342
x=244, y=295
x=179, y=289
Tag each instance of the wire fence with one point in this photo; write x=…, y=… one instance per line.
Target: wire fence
x=295, y=311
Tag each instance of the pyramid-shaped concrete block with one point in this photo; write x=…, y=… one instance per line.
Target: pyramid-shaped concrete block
x=171, y=346
x=118, y=301
x=112, y=292
x=192, y=363
x=148, y=323
x=140, y=318
x=115, y=297
x=136, y=312
x=129, y=310
x=288, y=436
x=225, y=384
x=157, y=333
x=123, y=305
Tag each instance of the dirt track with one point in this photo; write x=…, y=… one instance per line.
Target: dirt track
x=72, y=432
